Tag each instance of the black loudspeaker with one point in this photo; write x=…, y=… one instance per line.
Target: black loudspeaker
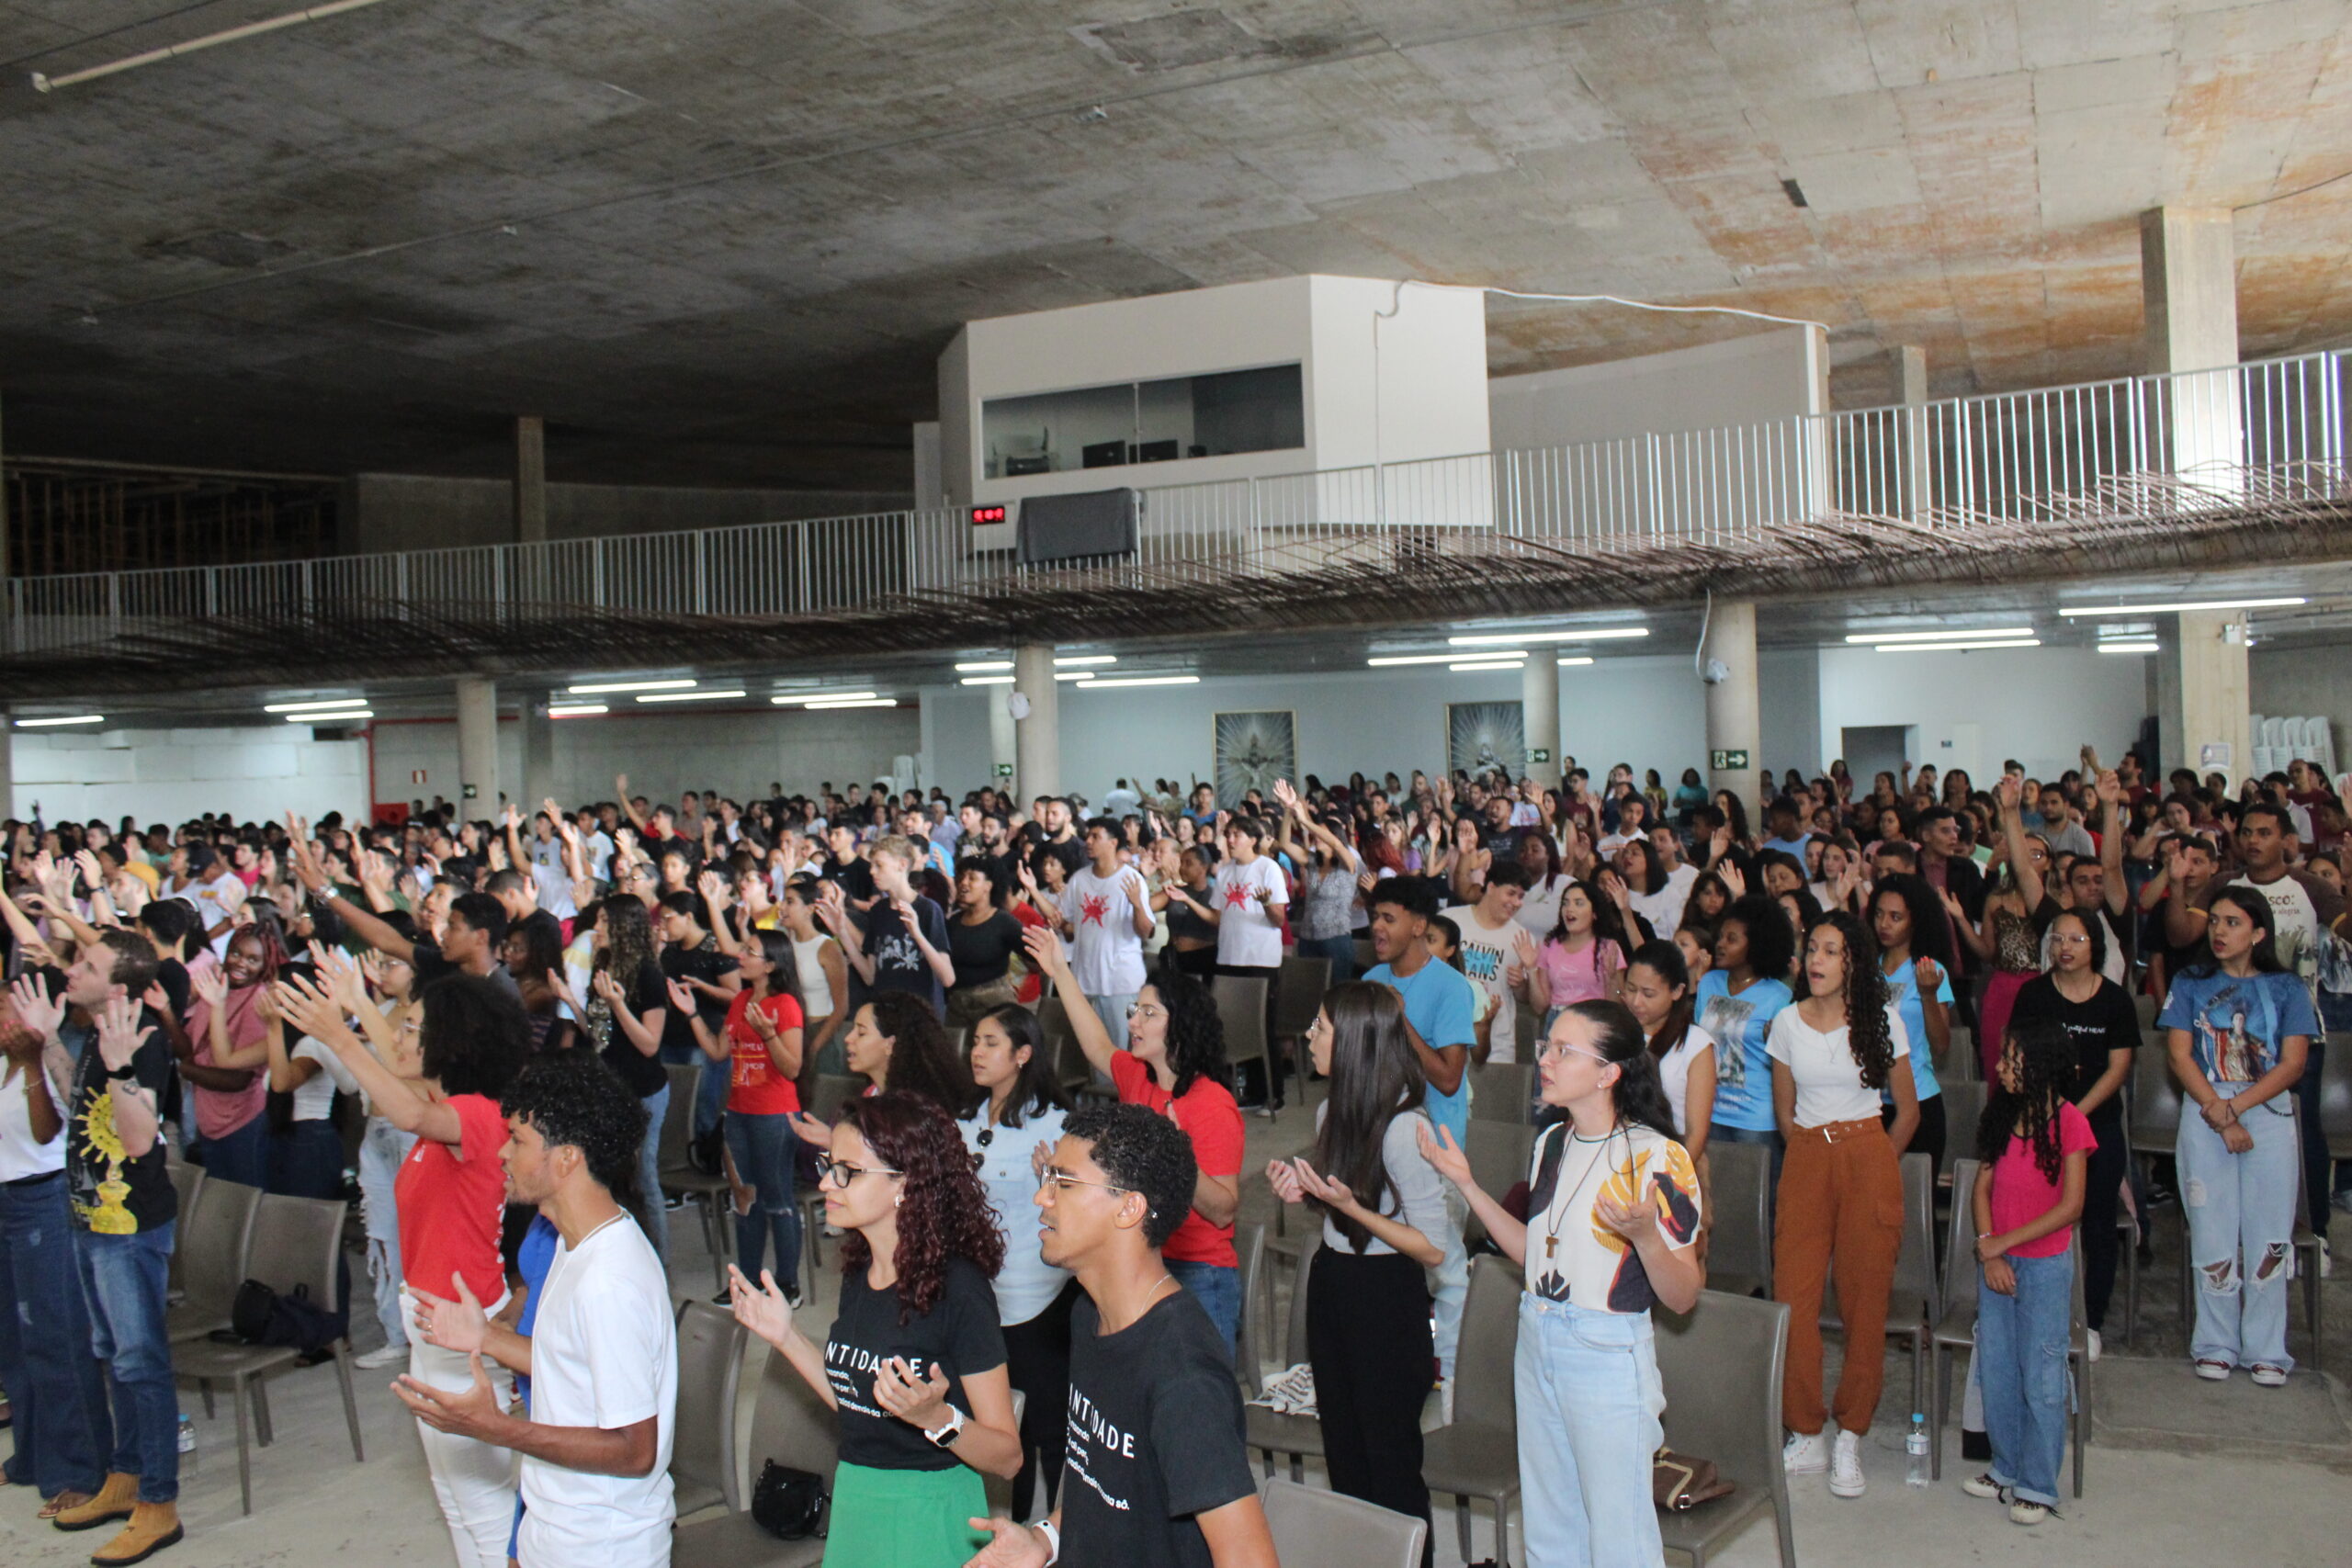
x=1068, y=527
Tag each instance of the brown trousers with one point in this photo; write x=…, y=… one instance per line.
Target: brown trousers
x=1841, y=1206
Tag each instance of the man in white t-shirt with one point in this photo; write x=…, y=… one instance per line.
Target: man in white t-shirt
x=1496, y=952
x=1106, y=910
x=602, y=1353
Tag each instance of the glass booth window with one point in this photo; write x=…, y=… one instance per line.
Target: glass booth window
x=1144, y=422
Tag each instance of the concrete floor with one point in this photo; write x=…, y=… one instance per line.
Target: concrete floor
x=2173, y=1460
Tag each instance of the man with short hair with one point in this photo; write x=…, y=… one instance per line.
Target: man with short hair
x=899, y=944
x=1158, y=1473
x=470, y=940
x=602, y=1355
x=1630, y=812
x=110, y=1078
x=1498, y=953
x=1106, y=910
x=2058, y=827
x=1121, y=801
x=1784, y=828
x=691, y=960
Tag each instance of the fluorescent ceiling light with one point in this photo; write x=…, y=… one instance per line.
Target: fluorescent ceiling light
x=306, y=708
x=1582, y=634
x=1072, y=661
x=812, y=698
x=1491, y=664
x=330, y=717
x=2127, y=648
x=855, y=702
x=2169, y=609
x=692, y=697
x=52, y=723
x=1138, y=681
x=1957, y=647
x=976, y=666
x=1579, y=658
x=1442, y=658
x=630, y=686
x=577, y=710
x=987, y=680
x=1973, y=635
x=1073, y=674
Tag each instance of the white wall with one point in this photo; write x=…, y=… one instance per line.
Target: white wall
x=169, y=775
x=1427, y=361
x=1788, y=696
x=1763, y=374
x=2037, y=704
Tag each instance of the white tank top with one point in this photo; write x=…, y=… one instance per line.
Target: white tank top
x=19, y=1155
x=816, y=991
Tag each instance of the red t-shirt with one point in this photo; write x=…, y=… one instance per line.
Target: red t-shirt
x=1213, y=1120
x=1033, y=984
x=452, y=1199
x=754, y=1088
x=2022, y=1194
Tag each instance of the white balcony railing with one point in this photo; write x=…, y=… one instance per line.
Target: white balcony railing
x=2142, y=447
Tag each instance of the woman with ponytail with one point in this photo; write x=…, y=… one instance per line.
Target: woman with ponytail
x=1612, y=1213
x=1841, y=1188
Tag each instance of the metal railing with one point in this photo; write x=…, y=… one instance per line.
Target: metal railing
x=2138, y=446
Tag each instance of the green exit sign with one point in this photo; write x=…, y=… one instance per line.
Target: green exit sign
x=1538, y=754
x=1004, y=769
x=1723, y=761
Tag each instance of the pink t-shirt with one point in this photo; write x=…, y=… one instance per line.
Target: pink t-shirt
x=1580, y=976
x=2022, y=1194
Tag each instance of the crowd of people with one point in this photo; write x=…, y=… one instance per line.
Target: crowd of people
x=499, y=1006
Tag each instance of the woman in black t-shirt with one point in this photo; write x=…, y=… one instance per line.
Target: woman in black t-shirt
x=914, y=1365
x=635, y=1001
x=981, y=939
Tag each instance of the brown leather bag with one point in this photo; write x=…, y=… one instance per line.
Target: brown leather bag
x=1680, y=1483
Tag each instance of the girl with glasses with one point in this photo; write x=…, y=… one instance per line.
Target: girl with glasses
x=914, y=1364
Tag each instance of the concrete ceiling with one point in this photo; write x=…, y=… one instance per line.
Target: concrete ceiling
x=723, y=242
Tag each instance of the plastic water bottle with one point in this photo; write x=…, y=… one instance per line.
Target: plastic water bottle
x=1915, y=1448
x=187, y=1443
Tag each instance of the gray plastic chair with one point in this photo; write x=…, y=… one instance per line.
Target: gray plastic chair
x=1500, y=1156
x=1739, y=1247
x=1241, y=1008
x=792, y=1427
x=1914, y=1302
x=1502, y=1091
x=703, y=1468
x=214, y=1249
x=188, y=1180
x=1314, y=1528
x=1298, y=997
x=1250, y=1251
x=833, y=1091
x=1721, y=1367
x=1963, y=1109
x=1269, y=1431
x=296, y=1243
x=1477, y=1454
x=678, y=1176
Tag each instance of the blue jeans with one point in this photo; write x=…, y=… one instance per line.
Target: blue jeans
x=2021, y=1361
x=241, y=1155
x=1588, y=1399
x=63, y=1429
x=651, y=1213
x=2241, y=1212
x=306, y=1161
x=763, y=1148
x=122, y=1287
x=381, y=1154
x=1340, y=950
x=1217, y=1287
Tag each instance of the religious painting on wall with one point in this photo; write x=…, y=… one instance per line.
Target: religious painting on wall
x=1253, y=749
x=1481, y=737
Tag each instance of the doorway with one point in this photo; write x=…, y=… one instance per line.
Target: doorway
x=1872, y=748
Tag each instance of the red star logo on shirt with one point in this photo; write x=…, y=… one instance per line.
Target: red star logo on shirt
x=1094, y=910
x=1236, y=896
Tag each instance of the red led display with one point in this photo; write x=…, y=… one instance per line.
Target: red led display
x=983, y=514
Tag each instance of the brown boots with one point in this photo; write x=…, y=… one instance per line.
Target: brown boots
x=153, y=1527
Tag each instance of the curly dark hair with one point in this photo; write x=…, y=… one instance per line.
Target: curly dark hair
x=2045, y=1080
x=1144, y=1153
x=1930, y=934
x=944, y=1212
x=1771, y=945
x=572, y=1097
x=922, y=1060
x=1195, y=1031
x=475, y=1036
x=1867, y=1034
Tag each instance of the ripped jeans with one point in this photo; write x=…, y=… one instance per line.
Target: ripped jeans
x=2241, y=1212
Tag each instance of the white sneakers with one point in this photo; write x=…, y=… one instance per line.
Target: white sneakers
x=1806, y=1453
x=2093, y=1334
x=1846, y=1466
x=383, y=1356
x=2267, y=1376
x=2025, y=1512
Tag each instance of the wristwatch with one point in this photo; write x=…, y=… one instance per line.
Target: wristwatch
x=945, y=1435
x=123, y=1073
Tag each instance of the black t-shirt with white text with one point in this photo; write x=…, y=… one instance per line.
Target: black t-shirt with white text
x=898, y=964
x=1155, y=1436
x=960, y=1333
x=112, y=1193
x=2105, y=1022
x=644, y=1075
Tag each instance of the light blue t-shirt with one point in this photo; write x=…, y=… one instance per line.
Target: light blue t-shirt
x=1903, y=996
x=2236, y=1026
x=1437, y=1004
x=1741, y=1026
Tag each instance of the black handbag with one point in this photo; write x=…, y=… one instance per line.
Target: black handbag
x=790, y=1505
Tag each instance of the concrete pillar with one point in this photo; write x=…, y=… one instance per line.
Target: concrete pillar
x=1909, y=364
x=1003, y=753
x=538, y=755
x=8, y=765
x=1539, y=700
x=1038, y=740
x=1735, y=715
x=2207, y=723
x=4, y=563
x=478, y=791
x=530, y=480
x=2189, y=294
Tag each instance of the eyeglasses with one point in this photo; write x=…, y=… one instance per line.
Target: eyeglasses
x=1554, y=1051
x=1144, y=1010
x=1062, y=1181
x=840, y=1173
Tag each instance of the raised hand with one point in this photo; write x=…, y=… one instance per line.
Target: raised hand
x=119, y=1034
x=460, y=1326
x=1046, y=951
x=1635, y=1221
x=1444, y=1155
x=917, y=1401
x=679, y=997
x=1329, y=1191
x=1734, y=880
x=1929, y=975
x=1282, y=1178
x=34, y=1005
x=762, y=1308
x=210, y=984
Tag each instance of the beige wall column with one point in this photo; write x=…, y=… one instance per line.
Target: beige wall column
x=478, y=789
x=530, y=480
x=1735, y=714
x=539, y=756
x=2189, y=302
x=1038, y=740
x=2207, y=725
x=1909, y=364
x=1539, y=697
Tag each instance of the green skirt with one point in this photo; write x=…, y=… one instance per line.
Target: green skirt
x=905, y=1518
